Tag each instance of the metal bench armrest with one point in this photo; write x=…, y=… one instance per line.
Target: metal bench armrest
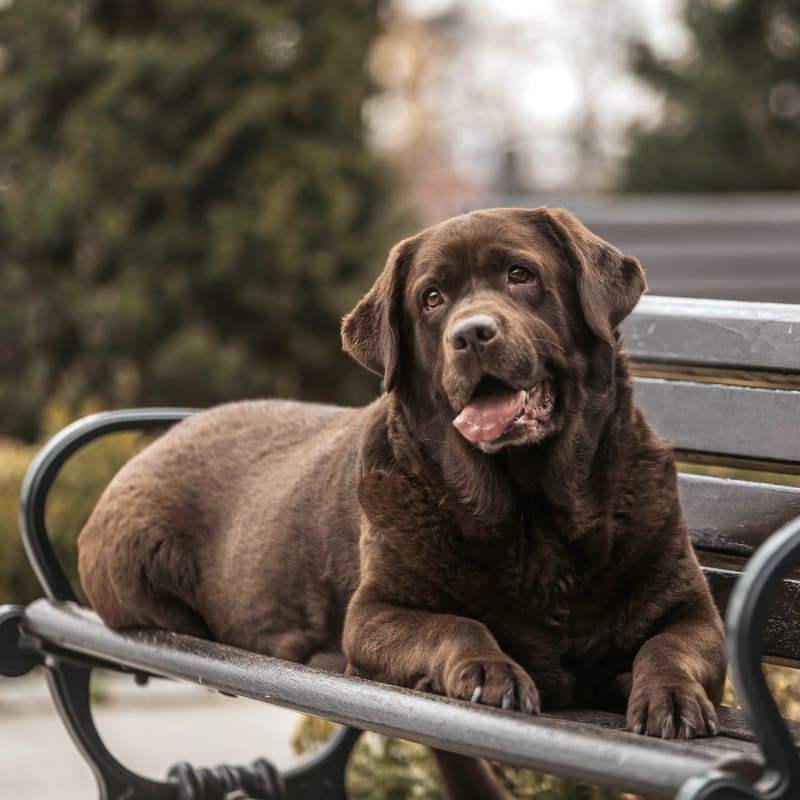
x=43, y=471
x=746, y=622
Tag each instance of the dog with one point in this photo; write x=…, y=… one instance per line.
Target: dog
x=500, y=526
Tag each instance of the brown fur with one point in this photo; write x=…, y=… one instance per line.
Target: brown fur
x=542, y=573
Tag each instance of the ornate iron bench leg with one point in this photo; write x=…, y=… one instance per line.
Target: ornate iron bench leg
x=69, y=686
x=257, y=781
x=322, y=776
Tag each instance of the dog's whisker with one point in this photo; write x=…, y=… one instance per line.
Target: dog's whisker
x=549, y=342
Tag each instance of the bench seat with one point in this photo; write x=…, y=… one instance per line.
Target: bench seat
x=589, y=746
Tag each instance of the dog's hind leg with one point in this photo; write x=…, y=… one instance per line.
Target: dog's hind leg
x=467, y=778
x=138, y=575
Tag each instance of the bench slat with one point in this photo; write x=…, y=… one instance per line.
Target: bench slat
x=782, y=635
x=715, y=333
x=734, y=517
x=727, y=420
x=734, y=731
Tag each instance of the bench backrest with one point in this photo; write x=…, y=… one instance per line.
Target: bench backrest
x=721, y=381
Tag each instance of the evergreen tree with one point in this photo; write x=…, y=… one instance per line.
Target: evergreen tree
x=731, y=118
x=188, y=205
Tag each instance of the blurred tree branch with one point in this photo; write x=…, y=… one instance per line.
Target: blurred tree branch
x=187, y=203
x=731, y=113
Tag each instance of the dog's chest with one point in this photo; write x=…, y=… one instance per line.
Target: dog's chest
x=522, y=570
x=546, y=588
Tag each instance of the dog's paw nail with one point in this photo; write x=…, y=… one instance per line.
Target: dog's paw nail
x=527, y=706
x=506, y=701
x=638, y=728
x=476, y=695
x=712, y=726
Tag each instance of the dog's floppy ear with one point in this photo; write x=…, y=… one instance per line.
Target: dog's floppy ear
x=609, y=283
x=371, y=331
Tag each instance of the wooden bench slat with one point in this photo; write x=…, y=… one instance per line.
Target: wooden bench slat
x=732, y=516
x=734, y=731
x=782, y=635
x=723, y=419
x=715, y=333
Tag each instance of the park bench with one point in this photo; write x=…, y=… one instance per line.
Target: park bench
x=721, y=380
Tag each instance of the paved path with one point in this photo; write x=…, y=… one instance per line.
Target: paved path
x=148, y=729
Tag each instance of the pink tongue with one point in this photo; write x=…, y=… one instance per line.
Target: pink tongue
x=487, y=418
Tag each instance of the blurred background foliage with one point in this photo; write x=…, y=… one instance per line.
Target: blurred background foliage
x=188, y=205
x=191, y=195
x=732, y=109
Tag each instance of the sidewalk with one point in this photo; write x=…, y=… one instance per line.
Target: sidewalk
x=147, y=728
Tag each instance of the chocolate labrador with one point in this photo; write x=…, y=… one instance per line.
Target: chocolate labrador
x=501, y=526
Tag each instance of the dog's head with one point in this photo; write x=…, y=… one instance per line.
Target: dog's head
x=496, y=313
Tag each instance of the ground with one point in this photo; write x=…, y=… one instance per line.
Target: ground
x=147, y=729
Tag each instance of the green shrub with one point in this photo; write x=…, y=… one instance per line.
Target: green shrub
x=17, y=583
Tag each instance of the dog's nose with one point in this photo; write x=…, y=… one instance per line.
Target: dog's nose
x=473, y=331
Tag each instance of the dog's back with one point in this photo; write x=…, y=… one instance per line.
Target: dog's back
x=172, y=544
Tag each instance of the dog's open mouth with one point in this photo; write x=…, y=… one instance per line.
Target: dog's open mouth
x=495, y=408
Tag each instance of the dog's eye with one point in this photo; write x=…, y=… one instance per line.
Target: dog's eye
x=432, y=298
x=520, y=275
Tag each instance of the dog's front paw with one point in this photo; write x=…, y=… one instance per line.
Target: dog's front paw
x=493, y=681
x=671, y=710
